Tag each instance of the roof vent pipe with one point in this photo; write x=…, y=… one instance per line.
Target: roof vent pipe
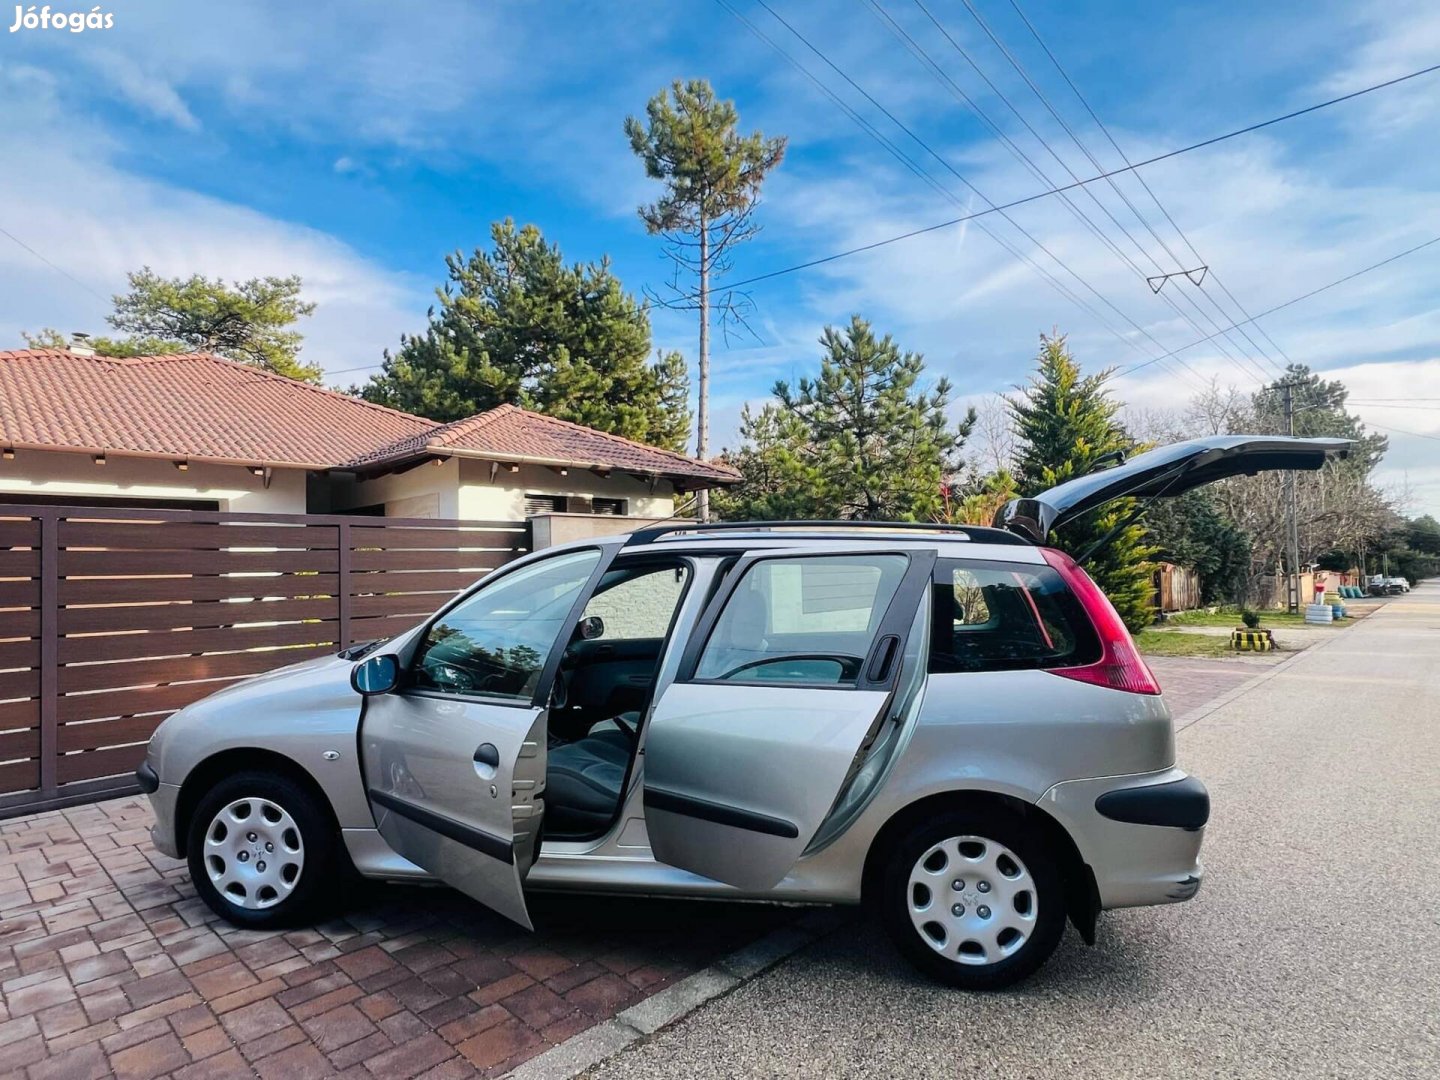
x=80, y=344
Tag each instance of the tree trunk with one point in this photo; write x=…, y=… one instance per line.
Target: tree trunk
x=702, y=442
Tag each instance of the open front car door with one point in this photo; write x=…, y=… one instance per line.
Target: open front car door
x=454, y=756
x=784, y=685
x=1164, y=473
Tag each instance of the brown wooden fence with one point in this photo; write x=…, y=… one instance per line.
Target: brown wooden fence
x=112, y=619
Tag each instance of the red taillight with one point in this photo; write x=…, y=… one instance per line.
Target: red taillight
x=1120, y=666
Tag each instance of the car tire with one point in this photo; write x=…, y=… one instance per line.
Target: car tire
x=974, y=900
x=262, y=850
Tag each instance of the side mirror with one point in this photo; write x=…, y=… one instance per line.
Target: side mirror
x=592, y=627
x=375, y=675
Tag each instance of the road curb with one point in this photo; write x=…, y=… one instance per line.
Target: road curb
x=1200, y=712
x=594, y=1045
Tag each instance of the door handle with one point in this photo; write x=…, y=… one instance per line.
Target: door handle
x=487, y=754
x=884, y=656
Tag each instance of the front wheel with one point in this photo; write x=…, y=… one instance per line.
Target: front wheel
x=261, y=850
x=974, y=900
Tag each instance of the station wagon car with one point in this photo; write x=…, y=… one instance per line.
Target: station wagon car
x=950, y=723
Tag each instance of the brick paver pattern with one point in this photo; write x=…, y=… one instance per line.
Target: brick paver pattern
x=110, y=965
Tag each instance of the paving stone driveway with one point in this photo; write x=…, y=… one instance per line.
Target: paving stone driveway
x=109, y=964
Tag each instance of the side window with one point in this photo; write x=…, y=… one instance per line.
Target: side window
x=991, y=616
x=807, y=621
x=496, y=642
x=637, y=604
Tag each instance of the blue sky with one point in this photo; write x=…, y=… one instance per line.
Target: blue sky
x=357, y=144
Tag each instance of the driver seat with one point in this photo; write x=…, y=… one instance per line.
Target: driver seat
x=583, y=780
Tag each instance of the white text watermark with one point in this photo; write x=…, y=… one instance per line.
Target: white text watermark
x=42, y=18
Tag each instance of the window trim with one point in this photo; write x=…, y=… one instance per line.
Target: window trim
x=540, y=699
x=915, y=579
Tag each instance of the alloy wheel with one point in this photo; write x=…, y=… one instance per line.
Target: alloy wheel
x=254, y=853
x=972, y=900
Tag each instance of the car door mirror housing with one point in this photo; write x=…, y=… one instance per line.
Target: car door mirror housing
x=375, y=675
x=592, y=627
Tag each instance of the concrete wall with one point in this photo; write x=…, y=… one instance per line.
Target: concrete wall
x=641, y=607
x=551, y=529
x=233, y=487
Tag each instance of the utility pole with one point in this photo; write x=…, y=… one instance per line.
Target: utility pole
x=1292, y=527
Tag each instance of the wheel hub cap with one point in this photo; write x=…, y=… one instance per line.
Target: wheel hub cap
x=972, y=900
x=253, y=853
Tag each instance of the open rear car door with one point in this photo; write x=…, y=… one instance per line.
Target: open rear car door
x=1164, y=473
x=784, y=684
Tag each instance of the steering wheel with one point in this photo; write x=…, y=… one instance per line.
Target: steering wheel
x=849, y=665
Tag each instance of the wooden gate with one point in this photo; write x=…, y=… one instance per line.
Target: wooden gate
x=110, y=620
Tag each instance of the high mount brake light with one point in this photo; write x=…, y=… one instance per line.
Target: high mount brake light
x=1120, y=666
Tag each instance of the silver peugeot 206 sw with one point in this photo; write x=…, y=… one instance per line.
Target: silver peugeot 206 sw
x=949, y=723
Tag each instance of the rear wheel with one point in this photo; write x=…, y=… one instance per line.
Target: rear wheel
x=261, y=850
x=974, y=900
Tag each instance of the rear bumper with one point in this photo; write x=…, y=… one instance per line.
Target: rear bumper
x=1140, y=835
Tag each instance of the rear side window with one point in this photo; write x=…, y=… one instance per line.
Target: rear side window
x=804, y=621
x=994, y=616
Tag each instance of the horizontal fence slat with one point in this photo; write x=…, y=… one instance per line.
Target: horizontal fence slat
x=23, y=593
x=412, y=559
x=22, y=623
x=101, y=733
x=178, y=642
x=22, y=533
x=189, y=535
x=21, y=564
x=17, y=654
x=19, y=776
x=111, y=762
x=417, y=604
x=137, y=590
x=414, y=581
x=384, y=626
x=19, y=744
x=395, y=538
x=202, y=615
x=19, y=714
x=194, y=561
x=19, y=684
x=178, y=669
x=157, y=699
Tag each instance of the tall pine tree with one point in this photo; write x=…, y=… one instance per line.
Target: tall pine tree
x=864, y=440
x=1066, y=422
x=518, y=325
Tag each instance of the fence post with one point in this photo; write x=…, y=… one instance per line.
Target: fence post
x=343, y=597
x=49, y=649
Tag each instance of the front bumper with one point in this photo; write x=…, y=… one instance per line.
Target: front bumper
x=163, y=801
x=1140, y=835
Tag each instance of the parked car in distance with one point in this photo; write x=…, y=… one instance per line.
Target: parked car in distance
x=950, y=723
x=1399, y=584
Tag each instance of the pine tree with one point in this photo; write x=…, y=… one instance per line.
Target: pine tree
x=1066, y=422
x=861, y=441
x=518, y=325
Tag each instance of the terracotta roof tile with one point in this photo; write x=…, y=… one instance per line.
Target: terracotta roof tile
x=200, y=406
x=512, y=432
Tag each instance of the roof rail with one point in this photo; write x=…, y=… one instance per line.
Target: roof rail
x=641, y=537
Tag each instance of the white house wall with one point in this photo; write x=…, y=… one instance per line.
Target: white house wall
x=430, y=490
x=233, y=487
x=503, y=499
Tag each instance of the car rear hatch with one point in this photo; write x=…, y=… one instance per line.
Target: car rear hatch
x=1164, y=473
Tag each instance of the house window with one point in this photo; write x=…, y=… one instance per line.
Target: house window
x=545, y=504
x=612, y=507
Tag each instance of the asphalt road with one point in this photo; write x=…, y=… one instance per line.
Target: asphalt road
x=1313, y=949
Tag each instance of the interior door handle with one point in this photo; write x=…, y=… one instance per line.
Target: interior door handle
x=487, y=754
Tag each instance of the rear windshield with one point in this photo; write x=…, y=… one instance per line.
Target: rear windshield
x=995, y=616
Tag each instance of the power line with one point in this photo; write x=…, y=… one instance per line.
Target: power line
x=925, y=59
x=1381, y=405
x=932, y=152
x=1079, y=143
x=911, y=234
x=59, y=270
x=1298, y=299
